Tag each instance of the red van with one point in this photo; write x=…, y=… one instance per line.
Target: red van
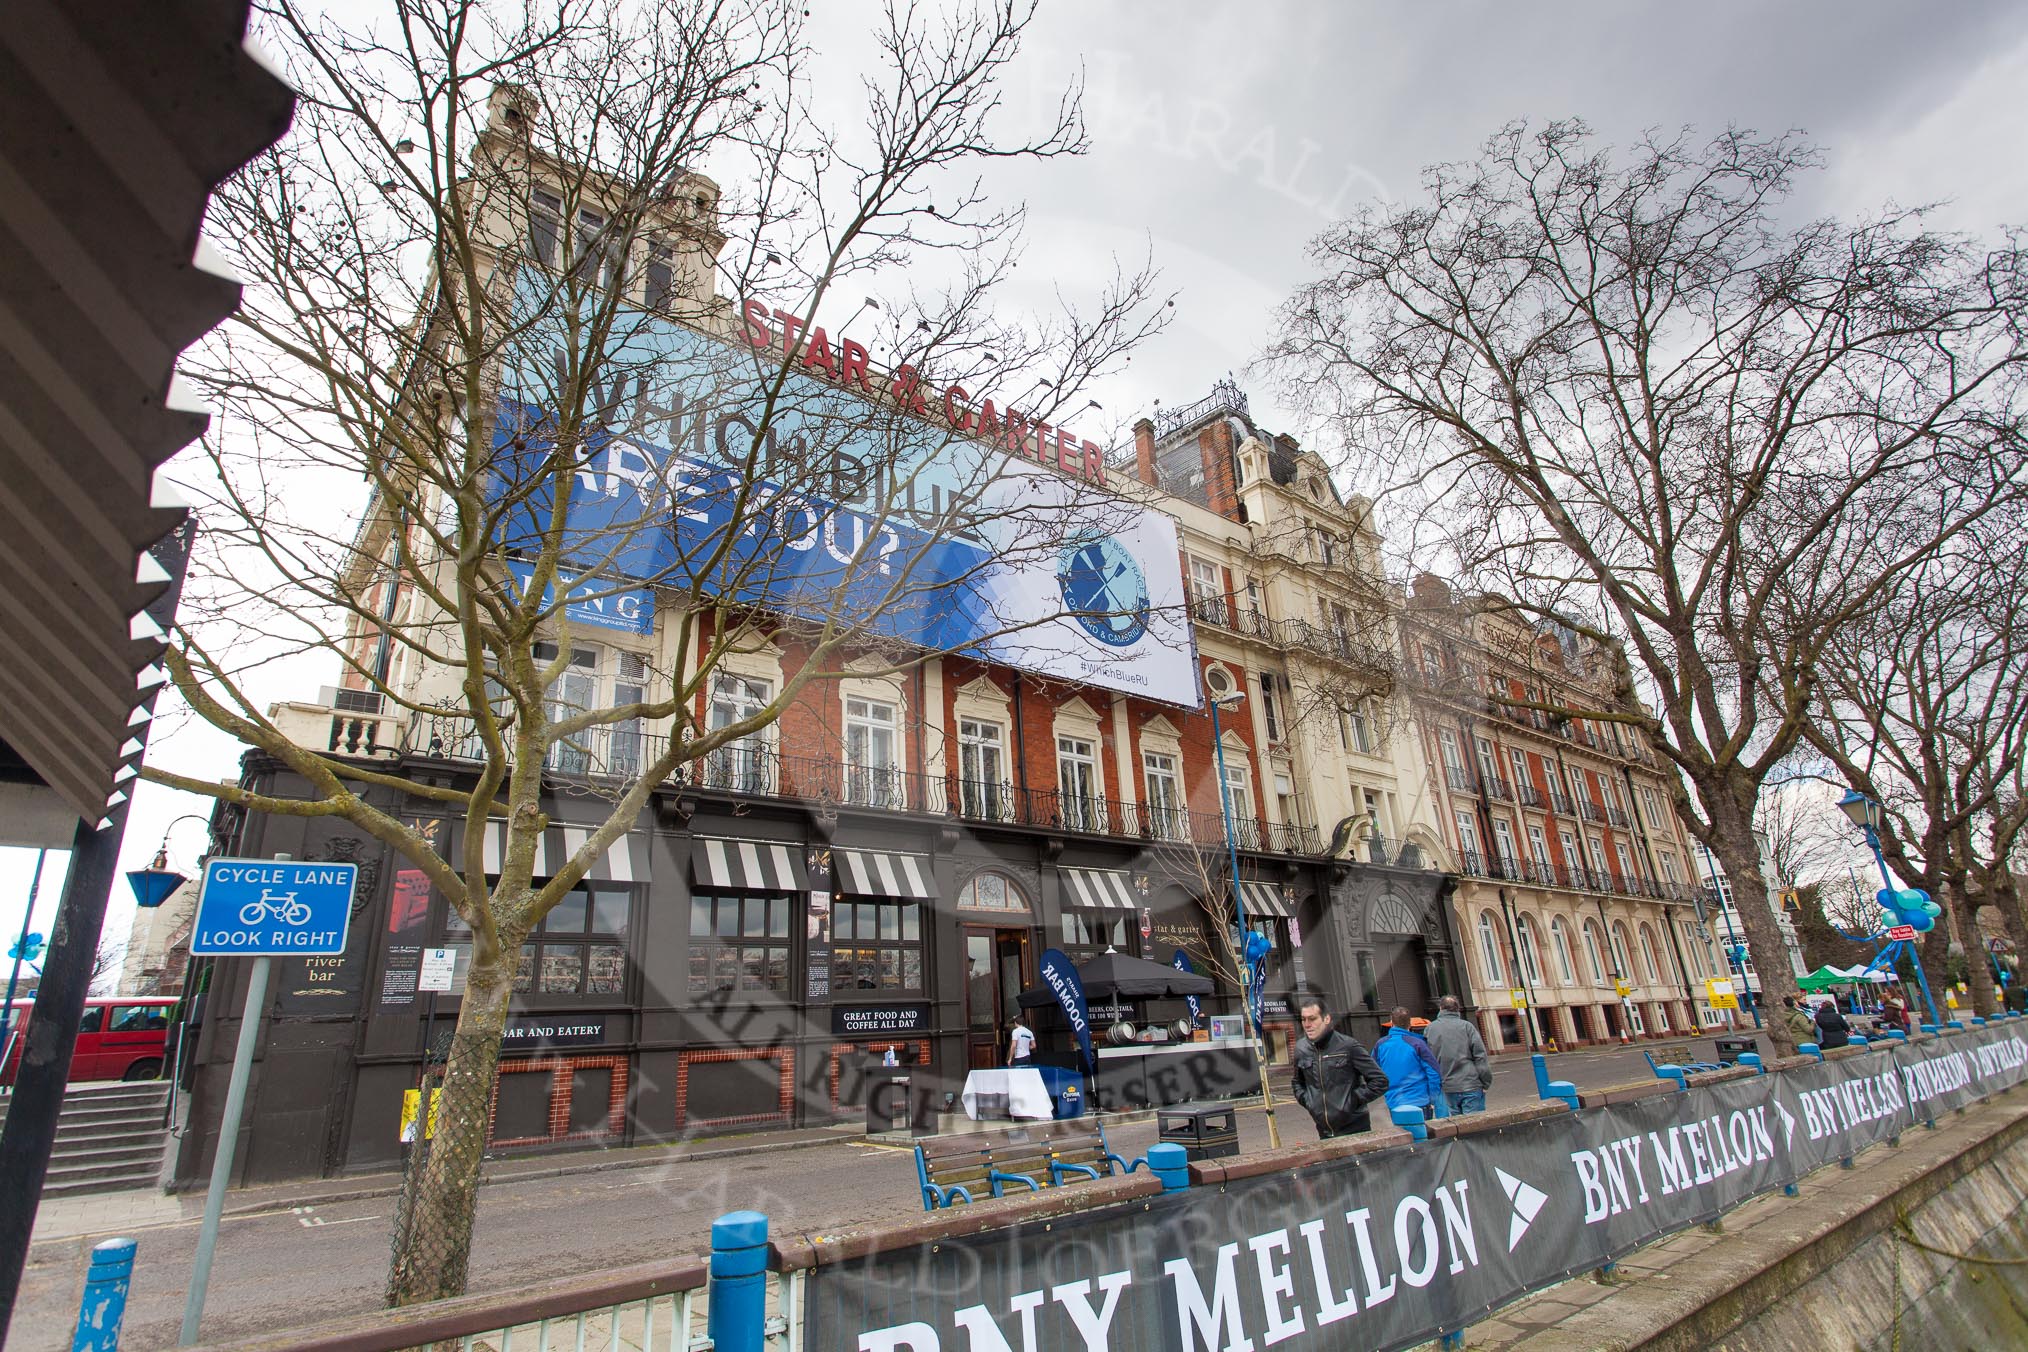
x=120, y=1038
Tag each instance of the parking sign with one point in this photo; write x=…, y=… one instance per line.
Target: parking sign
x=273, y=908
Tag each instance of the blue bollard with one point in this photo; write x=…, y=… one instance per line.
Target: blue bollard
x=1751, y=1059
x=1898, y=1036
x=1929, y=1028
x=1170, y=1163
x=105, y=1297
x=1809, y=1049
x=736, y=1300
x=1955, y=1023
x=1549, y=1089
x=1857, y=1041
x=1410, y=1120
x=1676, y=1075
x=1976, y=1022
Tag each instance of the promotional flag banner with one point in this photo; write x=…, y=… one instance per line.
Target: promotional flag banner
x=1181, y=962
x=1059, y=973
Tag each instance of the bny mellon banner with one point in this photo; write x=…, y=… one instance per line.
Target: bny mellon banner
x=1388, y=1249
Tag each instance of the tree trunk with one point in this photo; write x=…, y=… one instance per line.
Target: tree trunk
x=433, y=1251
x=1734, y=845
x=1999, y=893
x=1985, y=993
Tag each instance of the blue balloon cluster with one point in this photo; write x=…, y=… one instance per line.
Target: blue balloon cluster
x=1910, y=906
x=1257, y=948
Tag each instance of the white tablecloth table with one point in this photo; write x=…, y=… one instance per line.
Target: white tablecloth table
x=1023, y=1090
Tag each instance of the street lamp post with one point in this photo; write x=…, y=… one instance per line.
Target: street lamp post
x=1233, y=695
x=1735, y=952
x=1865, y=814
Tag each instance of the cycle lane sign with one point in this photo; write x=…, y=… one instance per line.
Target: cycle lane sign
x=273, y=907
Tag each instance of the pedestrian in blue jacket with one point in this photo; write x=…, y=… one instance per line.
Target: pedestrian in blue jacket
x=1413, y=1079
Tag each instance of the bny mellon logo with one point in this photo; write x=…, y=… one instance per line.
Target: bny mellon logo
x=1788, y=1123
x=1527, y=1204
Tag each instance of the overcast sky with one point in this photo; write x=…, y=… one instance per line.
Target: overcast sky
x=1225, y=136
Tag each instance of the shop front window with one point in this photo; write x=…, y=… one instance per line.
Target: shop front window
x=1088, y=933
x=878, y=946
x=579, y=949
x=739, y=943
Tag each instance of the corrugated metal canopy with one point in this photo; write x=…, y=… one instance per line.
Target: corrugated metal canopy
x=116, y=122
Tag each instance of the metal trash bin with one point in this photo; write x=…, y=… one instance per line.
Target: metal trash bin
x=1731, y=1048
x=1206, y=1131
x=887, y=1100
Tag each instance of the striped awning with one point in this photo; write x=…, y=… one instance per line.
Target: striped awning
x=1264, y=899
x=1104, y=889
x=625, y=860
x=882, y=873
x=754, y=865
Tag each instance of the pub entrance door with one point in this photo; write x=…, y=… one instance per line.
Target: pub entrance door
x=997, y=969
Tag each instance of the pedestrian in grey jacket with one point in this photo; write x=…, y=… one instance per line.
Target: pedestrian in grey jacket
x=1461, y=1054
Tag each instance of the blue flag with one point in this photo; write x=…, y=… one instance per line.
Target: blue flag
x=1060, y=975
x=1181, y=962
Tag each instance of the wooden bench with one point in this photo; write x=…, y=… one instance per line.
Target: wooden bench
x=1047, y=1154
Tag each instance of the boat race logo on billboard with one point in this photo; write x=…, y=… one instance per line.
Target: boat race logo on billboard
x=918, y=514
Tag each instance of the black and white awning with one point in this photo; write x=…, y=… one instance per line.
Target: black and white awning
x=1103, y=889
x=1264, y=899
x=751, y=865
x=624, y=861
x=882, y=873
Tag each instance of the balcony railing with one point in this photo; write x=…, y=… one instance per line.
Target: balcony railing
x=1617, y=816
x=1461, y=779
x=1590, y=811
x=1530, y=795
x=1210, y=610
x=755, y=770
x=1560, y=801
x=1499, y=788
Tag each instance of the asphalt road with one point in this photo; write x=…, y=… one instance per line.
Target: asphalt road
x=288, y=1268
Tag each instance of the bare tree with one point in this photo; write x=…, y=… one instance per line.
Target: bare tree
x=1807, y=838
x=1925, y=704
x=1632, y=398
x=485, y=274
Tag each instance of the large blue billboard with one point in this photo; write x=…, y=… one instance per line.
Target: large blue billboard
x=705, y=464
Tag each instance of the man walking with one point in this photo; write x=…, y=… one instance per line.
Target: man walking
x=1335, y=1077
x=1461, y=1057
x=1413, y=1080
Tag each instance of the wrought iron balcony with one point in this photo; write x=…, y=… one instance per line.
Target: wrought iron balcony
x=1499, y=788
x=1590, y=811
x=1461, y=780
x=753, y=769
x=1530, y=795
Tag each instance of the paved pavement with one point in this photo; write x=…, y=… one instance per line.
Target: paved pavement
x=297, y=1253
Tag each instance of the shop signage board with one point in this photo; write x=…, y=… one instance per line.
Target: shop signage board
x=1390, y=1249
x=528, y=1032
x=995, y=531
x=878, y=1020
x=273, y=908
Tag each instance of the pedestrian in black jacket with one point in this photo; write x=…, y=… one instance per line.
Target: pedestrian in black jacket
x=1335, y=1077
x=1832, y=1030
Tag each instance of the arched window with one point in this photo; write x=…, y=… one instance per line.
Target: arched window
x=989, y=891
x=1593, y=953
x=1489, y=950
x=1649, y=959
x=1559, y=938
x=1527, y=942
x=1623, y=955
